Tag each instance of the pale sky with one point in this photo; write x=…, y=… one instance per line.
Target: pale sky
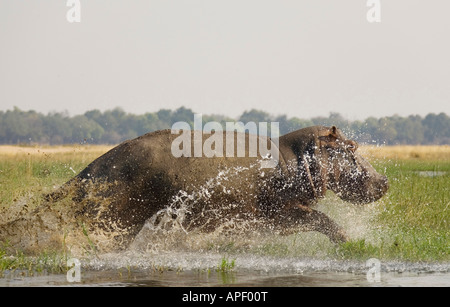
x=299, y=58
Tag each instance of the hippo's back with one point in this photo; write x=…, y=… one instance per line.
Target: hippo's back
x=151, y=155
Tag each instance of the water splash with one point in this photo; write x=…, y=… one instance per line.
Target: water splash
x=198, y=219
x=33, y=224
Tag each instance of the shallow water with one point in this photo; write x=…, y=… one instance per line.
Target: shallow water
x=239, y=278
x=193, y=269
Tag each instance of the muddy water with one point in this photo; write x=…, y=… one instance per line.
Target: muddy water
x=297, y=273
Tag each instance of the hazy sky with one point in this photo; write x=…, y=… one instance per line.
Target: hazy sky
x=300, y=58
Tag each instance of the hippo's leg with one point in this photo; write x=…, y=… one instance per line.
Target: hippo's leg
x=308, y=219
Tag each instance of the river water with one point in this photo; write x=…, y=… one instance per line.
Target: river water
x=201, y=270
x=124, y=278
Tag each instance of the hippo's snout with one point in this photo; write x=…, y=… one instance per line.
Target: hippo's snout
x=380, y=188
x=376, y=189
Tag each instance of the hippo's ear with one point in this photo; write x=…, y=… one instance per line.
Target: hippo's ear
x=329, y=136
x=351, y=145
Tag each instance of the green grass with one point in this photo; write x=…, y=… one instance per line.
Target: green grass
x=45, y=262
x=29, y=175
x=22, y=174
x=413, y=217
x=226, y=265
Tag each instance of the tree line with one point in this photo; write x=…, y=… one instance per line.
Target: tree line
x=114, y=126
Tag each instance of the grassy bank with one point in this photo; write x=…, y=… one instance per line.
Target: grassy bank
x=28, y=171
x=412, y=219
x=414, y=216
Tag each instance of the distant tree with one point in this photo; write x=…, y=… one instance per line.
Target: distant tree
x=145, y=123
x=409, y=130
x=386, y=132
x=182, y=114
x=22, y=126
x=85, y=130
x=165, y=116
x=114, y=126
x=292, y=124
x=255, y=116
x=437, y=128
x=3, y=137
x=94, y=115
x=334, y=119
x=57, y=128
x=368, y=131
x=295, y=123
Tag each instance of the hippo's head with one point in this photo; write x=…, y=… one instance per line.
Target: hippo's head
x=348, y=174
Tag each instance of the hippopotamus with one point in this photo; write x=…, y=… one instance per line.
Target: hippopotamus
x=143, y=179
